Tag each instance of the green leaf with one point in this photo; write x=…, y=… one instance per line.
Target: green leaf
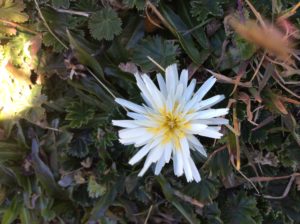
x=50, y=41
x=205, y=191
x=168, y=193
x=105, y=24
x=176, y=26
x=61, y=3
x=12, y=212
x=212, y=213
x=106, y=200
x=10, y=151
x=11, y=10
x=84, y=57
x=95, y=190
x=78, y=114
x=79, y=146
x=202, y=8
x=139, y=4
x=44, y=174
x=162, y=51
x=241, y=209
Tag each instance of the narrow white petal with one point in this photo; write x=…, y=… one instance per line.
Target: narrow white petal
x=135, y=116
x=144, y=91
x=200, y=149
x=189, y=90
x=130, y=105
x=212, y=121
x=171, y=78
x=168, y=152
x=184, y=76
x=160, y=164
x=206, y=86
x=178, y=163
x=162, y=85
x=152, y=157
x=125, y=123
x=210, y=113
x=210, y=133
x=132, y=132
x=195, y=171
x=195, y=128
x=140, y=154
x=187, y=169
x=155, y=93
x=179, y=92
x=210, y=102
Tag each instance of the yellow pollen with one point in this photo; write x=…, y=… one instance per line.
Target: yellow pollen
x=171, y=125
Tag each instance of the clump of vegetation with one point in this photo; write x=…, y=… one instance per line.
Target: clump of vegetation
x=62, y=64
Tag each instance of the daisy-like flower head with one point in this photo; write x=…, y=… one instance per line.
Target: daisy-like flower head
x=165, y=126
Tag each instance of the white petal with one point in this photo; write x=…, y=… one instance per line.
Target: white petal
x=210, y=133
x=195, y=128
x=130, y=105
x=160, y=164
x=168, y=152
x=132, y=132
x=152, y=157
x=155, y=93
x=162, y=85
x=210, y=113
x=196, y=144
x=171, y=78
x=140, y=154
x=210, y=102
x=125, y=123
x=212, y=121
x=189, y=90
x=195, y=171
x=184, y=76
x=145, y=93
x=177, y=162
x=206, y=86
x=135, y=115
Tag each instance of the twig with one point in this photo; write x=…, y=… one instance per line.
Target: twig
x=188, y=199
x=286, y=191
x=156, y=63
x=15, y=25
x=47, y=25
x=258, y=67
x=72, y=12
x=148, y=214
x=212, y=155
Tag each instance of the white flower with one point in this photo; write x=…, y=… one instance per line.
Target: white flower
x=166, y=125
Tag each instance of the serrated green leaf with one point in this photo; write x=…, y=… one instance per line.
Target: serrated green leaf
x=79, y=114
x=95, y=190
x=162, y=51
x=205, y=191
x=50, y=41
x=79, y=146
x=202, y=8
x=105, y=24
x=212, y=213
x=11, y=10
x=241, y=209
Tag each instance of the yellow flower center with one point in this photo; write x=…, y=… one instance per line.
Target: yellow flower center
x=171, y=125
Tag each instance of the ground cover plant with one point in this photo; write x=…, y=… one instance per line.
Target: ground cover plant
x=64, y=62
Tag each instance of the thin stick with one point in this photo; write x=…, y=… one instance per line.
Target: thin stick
x=72, y=12
x=188, y=199
x=156, y=63
x=15, y=25
x=148, y=214
x=258, y=67
x=47, y=25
